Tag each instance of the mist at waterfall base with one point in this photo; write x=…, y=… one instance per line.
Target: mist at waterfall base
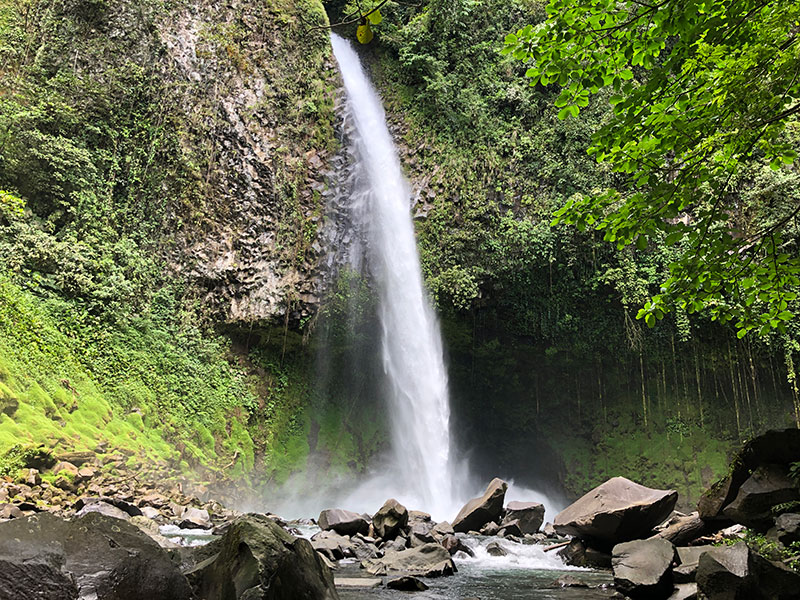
x=393, y=349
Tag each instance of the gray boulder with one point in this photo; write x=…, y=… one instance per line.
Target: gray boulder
x=195, y=518
x=428, y=560
x=479, y=511
x=642, y=568
x=104, y=509
x=257, y=560
x=768, y=485
x=787, y=528
x=688, y=557
x=453, y=544
x=390, y=519
x=332, y=545
x=406, y=584
x=529, y=515
x=343, y=522
x=104, y=557
x=30, y=570
x=578, y=554
x=735, y=572
x=616, y=511
x=495, y=549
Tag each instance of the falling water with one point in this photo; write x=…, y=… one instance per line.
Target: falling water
x=410, y=338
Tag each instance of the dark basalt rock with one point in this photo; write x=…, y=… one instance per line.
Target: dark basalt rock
x=618, y=510
x=106, y=558
x=736, y=572
x=479, y=511
x=257, y=560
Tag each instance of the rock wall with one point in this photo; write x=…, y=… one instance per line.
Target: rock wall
x=256, y=93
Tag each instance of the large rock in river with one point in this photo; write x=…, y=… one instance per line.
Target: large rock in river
x=343, y=522
x=616, y=511
x=390, y=519
x=642, y=568
x=530, y=516
x=479, y=511
x=256, y=559
x=428, y=560
x=736, y=572
x=107, y=558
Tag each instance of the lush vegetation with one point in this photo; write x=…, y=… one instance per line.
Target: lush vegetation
x=116, y=168
x=701, y=90
x=540, y=319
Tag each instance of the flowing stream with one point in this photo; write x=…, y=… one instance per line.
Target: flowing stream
x=421, y=469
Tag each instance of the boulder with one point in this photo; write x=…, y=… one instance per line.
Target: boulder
x=398, y=544
x=406, y=584
x=511, y=529
x=257, y=560
x=787, y=528
x=31, y=570
x=688, y=557
x=195, y=518
x=332, y=545
x=780, y=447
x=390, y=519
x=578, y=554
x=428, y=560
x=479, y=511
x=733, y=572
x=529, y=516
x=443, y=528
x=495, y=549
x=124, y=506
x=453, y=544
x=642, y=568
x=77, y=458
x=491, y=528
x=616, y=511
x=343, y=522
x=10, y=511
x=65, y=467
x=104, y=509
x=769, y=485
x=107, y=558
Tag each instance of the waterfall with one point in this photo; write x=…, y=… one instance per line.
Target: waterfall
x=420, y=471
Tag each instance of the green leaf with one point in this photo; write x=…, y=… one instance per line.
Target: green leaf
x=376, y=18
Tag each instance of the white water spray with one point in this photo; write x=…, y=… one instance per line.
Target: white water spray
x=420, y=472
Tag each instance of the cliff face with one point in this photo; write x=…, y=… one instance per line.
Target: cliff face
x=255, y=93
x=200, y=130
